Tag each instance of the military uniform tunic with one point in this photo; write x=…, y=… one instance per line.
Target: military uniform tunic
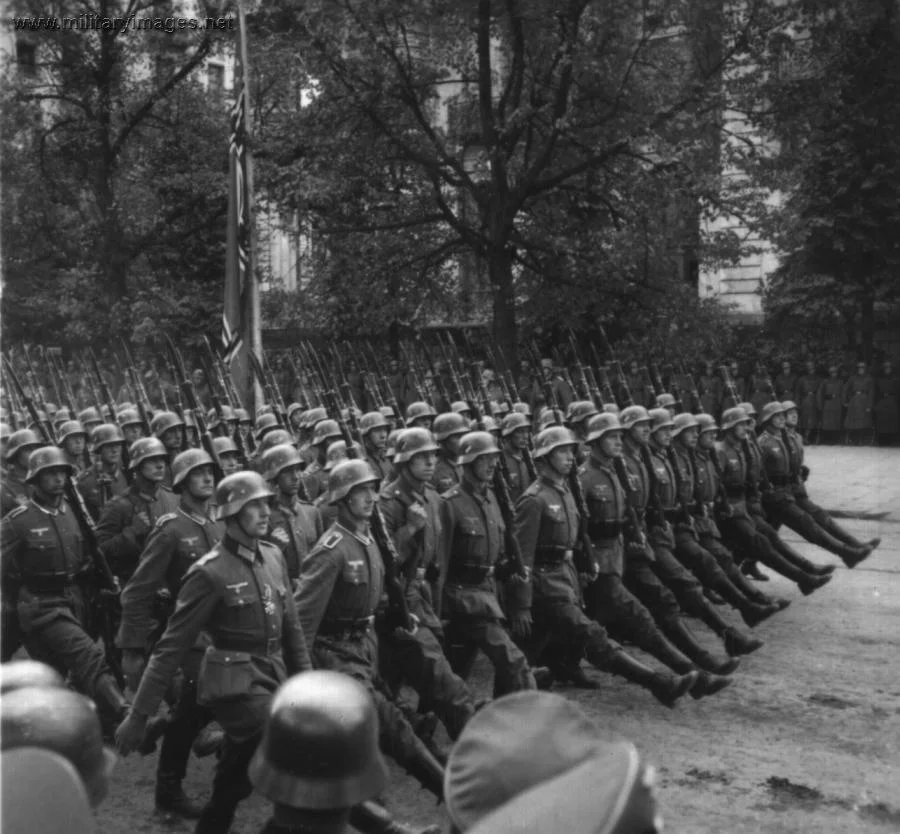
x=14, y=492
x=830, y=403
x=519, y=479
x=446, y=474
x=859, y=397
x=99, y=486
x=294, y=528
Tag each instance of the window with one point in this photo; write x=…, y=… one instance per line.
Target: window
x=215, y=77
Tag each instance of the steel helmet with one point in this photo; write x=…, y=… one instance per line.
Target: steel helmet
x=580, y=410
x=553, y=438
x=279, y=458
x=706, y=423
x=749, y=408
x=293, y=408
x=17, y=674
x=449, y=424
x=89, y=415
x=419, y=409
x=411, y=442
x=236, y=490
x=602, y=424
x=61, y=415
x=5, y=431
x=106, y=413
x=660, y=419
x=129, y=417
x=337, y=452
x=225, y=446
x=475, y=444
x=313, y=416
x=634, y=414
x=789, y=405
x=265, y=408
x=57, y=719
x=163, y=421
x=610, y=408
x=549, y=417
x=513, y=422
x=242, y=416
x=326, y=431
x=105, y=434
x=212, y=417
x=461, y=407
x=388, y=412
x=22, y=439
x=370, y=421
x=145, y=448
x=275, y=437
x=346, y=475
x=47, y=457
x=122, y=406
x=265, y=423
x=522, y=408
x=733, y=416
x=320, y=746
x=71, y=428
x=489, y=423
x=665, y=400
x=681, y=422
x=769, y=411
x=185, y=463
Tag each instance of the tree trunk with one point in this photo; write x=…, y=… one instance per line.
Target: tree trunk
x=504, y=303
x=867, y=327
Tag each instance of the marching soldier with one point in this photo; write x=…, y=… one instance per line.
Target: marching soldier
x=373, y=429
x=178, y=540
x=294, y=525
x=169, y=429
x=228, y=454
x=130, y=423
x=44, y=558
x=14, y=489
x=341, y=589
x=607, y=599
x=547, y=529
x=104, y=479
x=887, y=406
x=516, y=433
x=830, y=405
x=448, y=429
x=126, y=521
x=72, y=439
x=411, y=509
x=807, y=395
x=315, y=479
x=239, y=594
x=859, y=398
x=473, y=533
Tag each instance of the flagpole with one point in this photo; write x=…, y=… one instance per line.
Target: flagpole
x=254, y=328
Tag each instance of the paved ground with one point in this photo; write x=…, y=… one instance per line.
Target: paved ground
x=807, y=738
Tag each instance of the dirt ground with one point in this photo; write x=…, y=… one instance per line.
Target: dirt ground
x=806, y=739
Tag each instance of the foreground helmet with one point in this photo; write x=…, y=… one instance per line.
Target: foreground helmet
x=602, y=424
x=682, y=422
x=769, y=411
x=633, y=415
x=553, y=438
x=580, y=410
x=242, y=416
x=387, y=412
x=225, y=446
x=706, y=423
x=660, y=419
x=145, y=448
x=789, y=405
x=22, y=439
x=449, y=424
x=65, y=722
x=279, y=458
x=372, y=420
x=346, y=475
x=47, y=457
x=313, y=417
x=105, y=434
x=71, y=428
x=293, y=409
x=733, y=416
x=187, y=462
x=513, y=422
x=18, y=674
x=419, y=409
x=163, y=421
x=237, y=490
x=337, y=452
x=411, y=442
x=320, y=746
x=475, y=444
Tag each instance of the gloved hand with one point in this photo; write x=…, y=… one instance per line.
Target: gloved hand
x=520, y=624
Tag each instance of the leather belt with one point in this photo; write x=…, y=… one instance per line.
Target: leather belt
x=49, y=583
x=605, y=529
x=469, y=573
x=349, y=629
x=552, y=555
x=271, y=647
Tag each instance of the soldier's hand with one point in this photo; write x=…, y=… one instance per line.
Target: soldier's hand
x=520, y=623
x=130, y=733
x=416, y=517
x=410, y=630
x=133, y=667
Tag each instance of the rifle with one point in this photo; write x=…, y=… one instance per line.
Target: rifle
x=36, y=388
x=109, y=594
x=265, y=385
x=190, y=396
x=68, y=397
x=729, y=384
x=107, y=396
x=695, y=393
x=398, y=608
x=138, y=392
x=626, y=399
x=51, y=373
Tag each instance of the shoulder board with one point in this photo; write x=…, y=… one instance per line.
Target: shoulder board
x=453, y=492
x=17, y=511
x=331, y=539
x=533, y=488
x=164, y=519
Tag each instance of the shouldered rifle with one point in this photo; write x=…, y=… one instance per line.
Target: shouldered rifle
x=626, y=399
x=695, y=393
x=68, y=397
x=138, y=391
x=729, y=384
x=398, y=608
x=260, y=375
x=107, y=396
x=51, y=372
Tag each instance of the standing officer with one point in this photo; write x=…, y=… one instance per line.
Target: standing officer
x=43, y=558
x=859, y=398
x=830, y=403
x=411, y=509
x=14, y=490
x=547, y=530
x=473, y=533
x=448, y=429
x=178, y=540
x=786, y=382
x=126, y=521
x=607, y=599
x=516, y=433
x=294, y=525
x=887, y=406
x=807, y=395
x=373, y=429
x=239, y=594
x=104, y=479
x=709, y=384
x=341, y=589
